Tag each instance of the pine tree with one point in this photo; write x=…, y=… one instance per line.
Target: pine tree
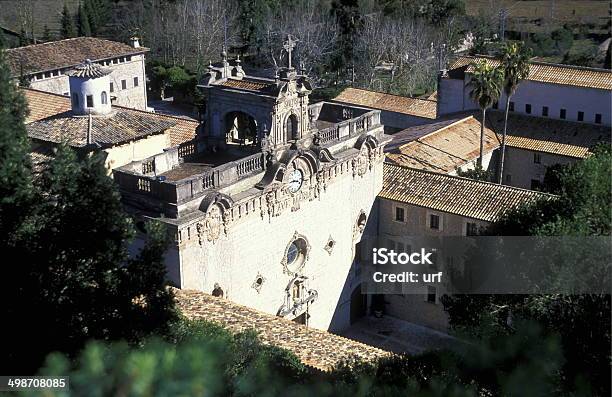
x=84, y=28
x=64, y=236
x=47, y=34
x=67, y=30
x=16, y=189
x=23, y=37
x=91, y=10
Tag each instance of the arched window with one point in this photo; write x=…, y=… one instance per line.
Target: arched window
x=75, y=100
x=292, y=127
x=104, y=98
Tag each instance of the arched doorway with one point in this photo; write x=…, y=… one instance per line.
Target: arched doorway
x=359, y=304
x=240, y=128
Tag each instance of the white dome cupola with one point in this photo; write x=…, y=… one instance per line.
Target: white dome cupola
x=89, y=89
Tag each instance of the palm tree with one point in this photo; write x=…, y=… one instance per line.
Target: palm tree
x=515, y=64
x=486, y=82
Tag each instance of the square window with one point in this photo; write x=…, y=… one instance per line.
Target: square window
x=431, y=294
x=597, y=118
x=562, y=114
x=528, y=108
x=508, y=178
x=434, y=222
x=123, y=84
x=112, y=87
x=90, y=101
x=511, y=106
x=135, y=81
x=537, y=158
x=399, y=214
x=471, y=229
x=580, y=116
x=545, y=111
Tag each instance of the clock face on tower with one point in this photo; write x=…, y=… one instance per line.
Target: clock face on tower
x=296, y=178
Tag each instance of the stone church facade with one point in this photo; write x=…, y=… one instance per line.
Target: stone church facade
x=270, y=201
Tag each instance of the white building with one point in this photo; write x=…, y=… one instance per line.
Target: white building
x=562, y=92
x=45, y=66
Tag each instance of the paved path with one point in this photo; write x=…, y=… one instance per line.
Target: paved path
x=399, y=336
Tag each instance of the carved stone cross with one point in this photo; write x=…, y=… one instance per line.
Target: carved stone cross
x=289, y=45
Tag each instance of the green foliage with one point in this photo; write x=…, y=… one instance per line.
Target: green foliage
x=74, y=268
x=16, y=187
x=515, y=65
x=201, y=359
x=67, y=29
x=582, y=209
x=47, y=34
x=477, y=173
x=174, y=81
x=68, y=234
x=84, y=28
x=486, y=82
x=582, y=54
x=207, y=360
x=98, y=14
x=251, y=20
x=348, y=19
x=556, y=43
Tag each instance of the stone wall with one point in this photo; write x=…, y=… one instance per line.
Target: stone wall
x=522, y=167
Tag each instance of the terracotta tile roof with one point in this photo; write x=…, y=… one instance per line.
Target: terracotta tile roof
x=116, y=128
x=377, y=100
x=444, y=149
x=319, y=349
x=44, y=105
x=245, y=85
x=566, y=138
x=452, y=194
x=184, y=130
x=65, y=53
x=551, y=73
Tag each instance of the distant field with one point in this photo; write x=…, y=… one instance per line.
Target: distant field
x=527, y=15
x=531, y=13
x=46, y=12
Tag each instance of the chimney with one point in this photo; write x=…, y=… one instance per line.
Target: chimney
x=135, y=42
